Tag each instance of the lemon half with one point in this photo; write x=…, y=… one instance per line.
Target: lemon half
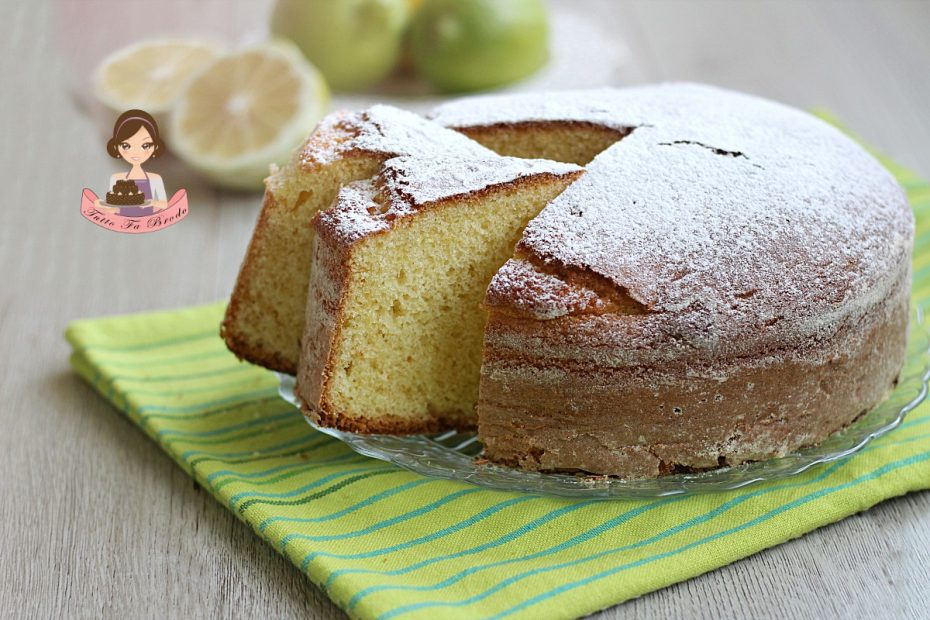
x=150, y=75
x=247, y=110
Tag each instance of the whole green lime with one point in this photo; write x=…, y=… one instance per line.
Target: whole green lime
x=463, y=45
x=354, y=43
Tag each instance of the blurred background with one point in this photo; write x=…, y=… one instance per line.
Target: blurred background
x=236, y=84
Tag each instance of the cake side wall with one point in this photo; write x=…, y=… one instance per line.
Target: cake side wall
x=647, y=420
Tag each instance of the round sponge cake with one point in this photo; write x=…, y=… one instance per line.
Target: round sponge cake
x=726, y=279
x=727, y=282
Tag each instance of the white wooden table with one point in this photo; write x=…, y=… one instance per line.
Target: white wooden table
x=95, y=519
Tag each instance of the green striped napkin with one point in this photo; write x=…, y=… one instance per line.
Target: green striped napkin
x=386, y=543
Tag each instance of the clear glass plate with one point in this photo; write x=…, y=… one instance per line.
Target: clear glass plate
x=452, y=454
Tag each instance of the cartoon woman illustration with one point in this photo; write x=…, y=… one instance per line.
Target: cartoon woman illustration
x=136, y=201
x=136, y=140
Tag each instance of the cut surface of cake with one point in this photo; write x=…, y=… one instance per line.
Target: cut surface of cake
x=400, y=268
x=265, y=317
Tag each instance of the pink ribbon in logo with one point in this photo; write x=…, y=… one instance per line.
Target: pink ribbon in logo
x=176, y=211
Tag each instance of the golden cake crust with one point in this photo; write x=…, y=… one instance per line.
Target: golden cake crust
x=615, y=393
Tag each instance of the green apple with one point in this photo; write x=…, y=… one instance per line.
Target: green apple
x=463, y=45
x=354, y=43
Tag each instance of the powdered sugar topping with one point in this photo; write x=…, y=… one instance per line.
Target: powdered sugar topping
x=354, y=214
x=388, y=131
x=724, y=210
x=416, y=181
x=407, y=184
x=726, y=207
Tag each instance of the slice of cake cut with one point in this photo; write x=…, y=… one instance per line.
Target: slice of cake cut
x=400, y=267
x=265, y=317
